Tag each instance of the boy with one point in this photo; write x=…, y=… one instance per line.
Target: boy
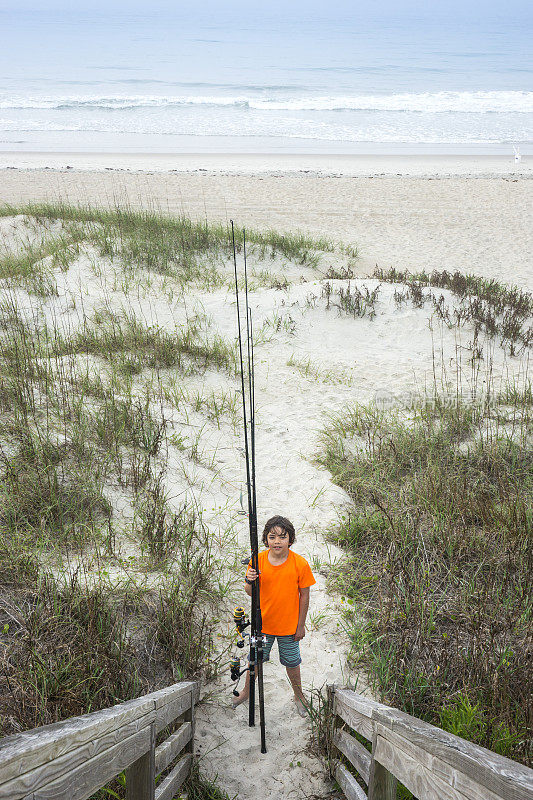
x=285, y=579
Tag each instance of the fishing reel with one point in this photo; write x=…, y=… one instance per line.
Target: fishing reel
x=235, y=668
x=241, y=623
x=236, y=672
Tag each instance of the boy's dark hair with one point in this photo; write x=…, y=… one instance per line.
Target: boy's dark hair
x=279, y=522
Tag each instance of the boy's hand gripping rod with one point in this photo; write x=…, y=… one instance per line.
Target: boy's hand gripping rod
x=256, y=633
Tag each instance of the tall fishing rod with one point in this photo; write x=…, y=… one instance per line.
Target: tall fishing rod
x=251, y=385
x=256, y=624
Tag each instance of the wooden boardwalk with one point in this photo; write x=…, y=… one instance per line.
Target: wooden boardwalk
x=432, y=764
x=71, y=760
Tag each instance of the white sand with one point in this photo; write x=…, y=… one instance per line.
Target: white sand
x=388, y=360
x=254, y=163
x=472, y=224
x=468, y=213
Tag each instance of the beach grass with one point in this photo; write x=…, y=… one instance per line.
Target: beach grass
x=136, y=345
x=307, y=368
x=351, y=299
x=170, y=245
x=437, y=581
x=82, y=423
x=77, y=640
x=199, y=787
x=33, y=264
x=492, y=307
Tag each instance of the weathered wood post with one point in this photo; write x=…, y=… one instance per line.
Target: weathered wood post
x=381, y=783
x=334, y=722
x=140, y=777
x=189, y=717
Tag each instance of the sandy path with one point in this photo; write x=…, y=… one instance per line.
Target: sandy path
x=387, y=358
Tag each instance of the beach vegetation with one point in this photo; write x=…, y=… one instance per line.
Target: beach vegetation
x=170, y=245
x=307, y=368
x=131, y=343
x=342, y=273
x=353, y=300
x=267, y=279
x=80, y=644
x=278, y=322
x=83, y=627
x=492, y=307
x=199, y=787
x=438, y=573
x=32, y=266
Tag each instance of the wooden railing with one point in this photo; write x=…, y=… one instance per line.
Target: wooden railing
x=71, y=760
x=431, y=763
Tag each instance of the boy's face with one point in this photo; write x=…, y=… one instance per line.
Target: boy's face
x=278, y=541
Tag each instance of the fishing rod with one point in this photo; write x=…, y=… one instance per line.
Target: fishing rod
x=256, y=633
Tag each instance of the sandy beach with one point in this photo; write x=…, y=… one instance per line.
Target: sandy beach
x=471, y=214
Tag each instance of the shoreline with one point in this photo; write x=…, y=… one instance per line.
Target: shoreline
x=373, y=165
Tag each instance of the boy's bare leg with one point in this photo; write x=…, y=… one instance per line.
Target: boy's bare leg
x=294, y=676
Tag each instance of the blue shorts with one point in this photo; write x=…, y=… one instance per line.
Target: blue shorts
x=289, y=650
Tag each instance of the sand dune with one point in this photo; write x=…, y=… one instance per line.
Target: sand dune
x=473, y=224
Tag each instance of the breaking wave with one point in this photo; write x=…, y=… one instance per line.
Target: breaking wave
x=493, y=102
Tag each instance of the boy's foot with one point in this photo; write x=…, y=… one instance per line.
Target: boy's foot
x=300, y=707
x=237, y=700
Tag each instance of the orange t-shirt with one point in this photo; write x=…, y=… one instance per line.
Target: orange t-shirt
x=279, y=591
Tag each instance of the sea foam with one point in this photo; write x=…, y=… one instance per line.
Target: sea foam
x=493, y=102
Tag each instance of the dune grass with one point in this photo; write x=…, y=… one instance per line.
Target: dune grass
x=351, y=300
x=438, y=581
x=307, y=368
x=76, y=639
x=77, y=645
x=134, y=345
x=32, y=267
x=167, y=245
x=198, y=787
x=492, y=307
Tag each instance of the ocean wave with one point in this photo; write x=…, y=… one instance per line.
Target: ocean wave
x=117, y=103
x=495, y=102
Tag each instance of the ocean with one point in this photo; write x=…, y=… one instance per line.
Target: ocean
x=103, y=82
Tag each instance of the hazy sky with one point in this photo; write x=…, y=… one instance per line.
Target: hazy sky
x=332, y=9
